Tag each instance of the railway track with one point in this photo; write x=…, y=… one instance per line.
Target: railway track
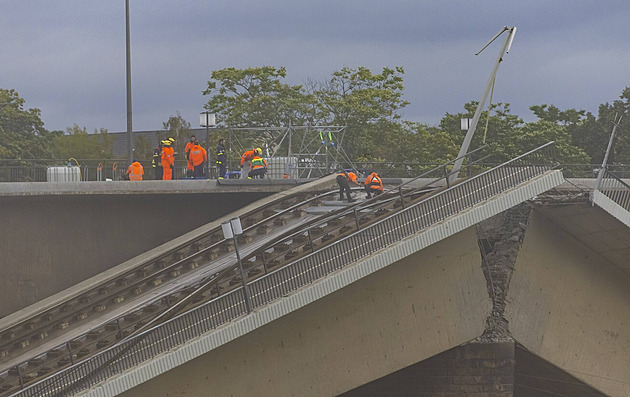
x=189, y=275
x=124, y=293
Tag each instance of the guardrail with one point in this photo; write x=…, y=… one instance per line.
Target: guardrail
x=276, y=284
x=615, y=189
x=35, y=170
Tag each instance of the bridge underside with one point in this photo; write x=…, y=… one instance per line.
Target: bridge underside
x=537, y=309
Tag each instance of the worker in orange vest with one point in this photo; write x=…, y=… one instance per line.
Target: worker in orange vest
x=259, y=168
x=135, y=171
x=189, y=165
x=373, y=184
x=197, y=157
x=343, y=180
x=246, y=161
x=168, y=159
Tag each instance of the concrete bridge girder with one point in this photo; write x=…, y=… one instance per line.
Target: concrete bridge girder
x=569, y=301
x=409, y=311
x=566, y=304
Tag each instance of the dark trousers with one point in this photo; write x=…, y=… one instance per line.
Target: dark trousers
x=343, y=186
x=258, y=172
x=222, y=170
x=198, y=171
x=158, y=173
x=370, y=191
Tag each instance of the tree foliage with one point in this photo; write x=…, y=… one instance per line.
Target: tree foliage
x=79, y=144
x=178, y=128
x=22, y=132
x=255, y=97
x=367, y=103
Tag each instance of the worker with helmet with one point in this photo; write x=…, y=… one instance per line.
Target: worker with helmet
x=135, y=171
x=168, y=159
x=259, y=167
x=373, y=185
x=198, y=157
x=343, y=180
x=246, y=161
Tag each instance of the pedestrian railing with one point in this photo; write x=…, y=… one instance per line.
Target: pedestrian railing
x=615, y=189
x=264, y=290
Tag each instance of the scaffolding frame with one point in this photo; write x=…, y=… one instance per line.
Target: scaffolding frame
x=319, y=149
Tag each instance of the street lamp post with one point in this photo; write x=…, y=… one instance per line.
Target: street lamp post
x=128, y=73
x=232, y=229
x=207, y=119
x=473, y=124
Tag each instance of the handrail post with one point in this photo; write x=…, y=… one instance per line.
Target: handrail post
x=446, y=176
x=264, y=261
x=310, y=241
x=19, y=371
x=70, y=352
x=120, y=332
x=402, y=198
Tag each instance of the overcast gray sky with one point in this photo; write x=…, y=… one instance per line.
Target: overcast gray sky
x=67, y=57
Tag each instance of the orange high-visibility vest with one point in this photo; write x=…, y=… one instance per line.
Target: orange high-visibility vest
x=258, y=162
x=373, y=181
x=198, y=155
x=189, y=146
x=135, y=171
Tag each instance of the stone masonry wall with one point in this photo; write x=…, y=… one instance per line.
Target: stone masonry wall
x=472, y=370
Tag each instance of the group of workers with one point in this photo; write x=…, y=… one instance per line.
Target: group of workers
x=164, y=161
x=373, y=184
x=253, y=165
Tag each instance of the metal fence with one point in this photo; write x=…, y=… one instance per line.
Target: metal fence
x=615, y=189
x=35, y=170
x=276, y=284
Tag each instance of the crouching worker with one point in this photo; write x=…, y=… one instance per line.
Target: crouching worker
x=259, y=168
x=343, y=180
x=373, y=185
x=246, y=161
x=135, y=171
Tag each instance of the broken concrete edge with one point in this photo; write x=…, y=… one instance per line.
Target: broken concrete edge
x=28, y=312
x=500, y=238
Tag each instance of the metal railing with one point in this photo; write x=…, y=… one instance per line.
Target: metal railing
x=277, y=284
x=36, y=170
x=615, y=189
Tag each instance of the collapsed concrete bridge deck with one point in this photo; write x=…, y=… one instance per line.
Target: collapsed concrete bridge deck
x=547, y=278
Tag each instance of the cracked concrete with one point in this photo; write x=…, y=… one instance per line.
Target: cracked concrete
x=500, y=238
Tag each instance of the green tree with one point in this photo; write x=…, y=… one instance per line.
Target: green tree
x=608, y=113
x=501, y=127
x=367, y=103
x=555, y=115
x=508, y=137
x=142, y=150
x=255, y=97
x=22, y=132
x=587, y=132
x=532, y=135
x=178, y=128
x=79, y=144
